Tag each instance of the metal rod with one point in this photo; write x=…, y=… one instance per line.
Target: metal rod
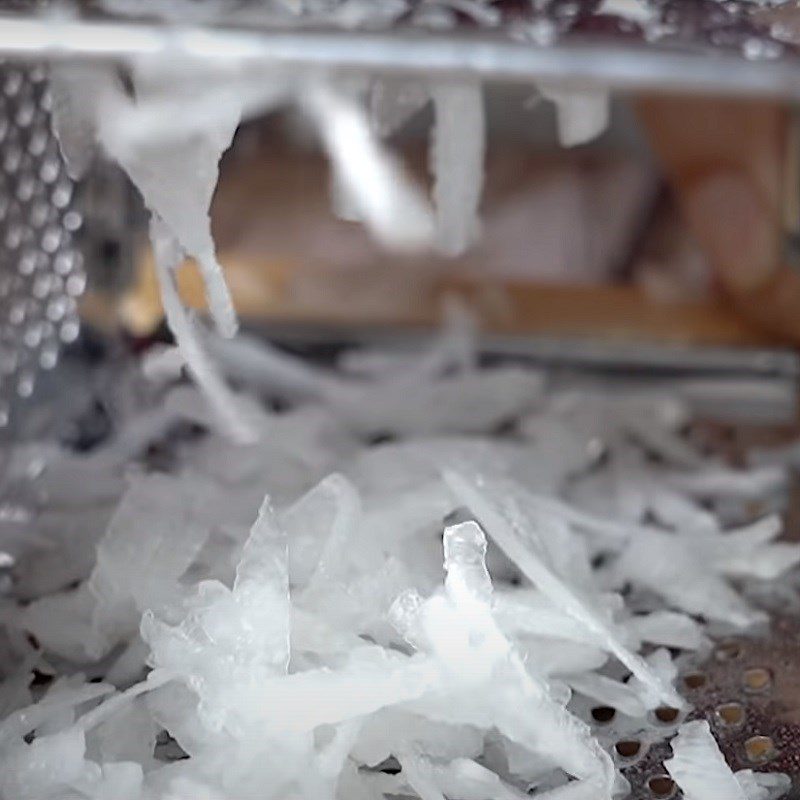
x=487, y=54
x=579, y=352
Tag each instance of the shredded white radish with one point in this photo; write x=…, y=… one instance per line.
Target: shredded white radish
x=386, y=200
x=358, y=633
x=456, y=160
x=186, y=335
x=697, y=765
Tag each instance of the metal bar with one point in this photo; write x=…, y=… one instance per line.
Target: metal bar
x=577, y=352
x=486, y=54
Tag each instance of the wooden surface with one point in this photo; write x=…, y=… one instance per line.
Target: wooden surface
x=262, y=292
x=288, y=259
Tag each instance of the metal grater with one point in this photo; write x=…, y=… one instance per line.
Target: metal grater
x=41, y=270
x=749, y=688
x=749, y=691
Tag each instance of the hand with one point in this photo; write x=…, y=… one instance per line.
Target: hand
x=726, y=162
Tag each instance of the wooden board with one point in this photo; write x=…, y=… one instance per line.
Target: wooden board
x=263, y=292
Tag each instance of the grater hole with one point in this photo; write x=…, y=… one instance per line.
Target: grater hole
x=12, y=84
x=603, y=714
x=76, y=285
x=25, y=114
x=49, y=170
x=666, y=714
x=37, y=143
x=695, y=680
x=661, y=786
x=730, y=715
x=72, y=221
x=628, y=748
x=25, y=384
x=69, y=331
x=728, y=651
x=48, y=358
x=760, y=749
x=757, y=679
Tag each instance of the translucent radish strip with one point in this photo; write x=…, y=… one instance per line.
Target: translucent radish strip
x=458, y=143
x=510, y=539
x=394, y=210
x=219, y=396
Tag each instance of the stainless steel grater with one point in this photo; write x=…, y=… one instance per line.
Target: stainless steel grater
x=749, y=688
x=41, y=269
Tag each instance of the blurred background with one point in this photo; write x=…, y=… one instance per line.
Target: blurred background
x=574, y=240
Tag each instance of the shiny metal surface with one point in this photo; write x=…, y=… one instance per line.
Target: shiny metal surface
x=582, y=60
x=41, y=271
x=612, y=357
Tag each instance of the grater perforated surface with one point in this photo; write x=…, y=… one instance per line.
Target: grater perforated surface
x=748, y=686
x=41, y=270
x=749, y=691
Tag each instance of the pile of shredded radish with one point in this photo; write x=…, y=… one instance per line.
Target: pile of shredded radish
x=415, y=582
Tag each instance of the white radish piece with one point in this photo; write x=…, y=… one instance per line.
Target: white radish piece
x=457, y=151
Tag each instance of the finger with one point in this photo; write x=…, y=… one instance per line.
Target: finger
x=724, y=160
